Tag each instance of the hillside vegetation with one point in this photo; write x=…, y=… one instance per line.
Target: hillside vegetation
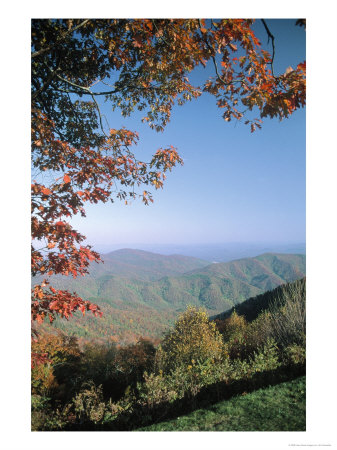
x=253, y=306
x=146, y=266
x=197, y=364
x=134, y=307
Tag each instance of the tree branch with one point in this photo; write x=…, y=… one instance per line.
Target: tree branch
x=99, y=115
x=62, y=38
x=270, y=36
x=216, y=65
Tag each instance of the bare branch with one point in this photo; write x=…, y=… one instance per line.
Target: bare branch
x=270, y=36
x=99, y=115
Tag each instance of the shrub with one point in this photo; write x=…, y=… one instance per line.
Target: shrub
x=62, y=355
x=156, y=389
x=295, y=354
x=237, y=336
x=44, y=418
x=193, y=338
x=134, y=359
x=98, y=364
x=264, y=359
x=252, y=338
x=89, y=404
x=43, y=381
x=233, y=327
x=288, y=315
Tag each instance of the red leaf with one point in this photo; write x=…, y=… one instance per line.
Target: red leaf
x=137, y=41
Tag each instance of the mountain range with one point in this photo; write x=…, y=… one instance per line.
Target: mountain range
x=142, y=293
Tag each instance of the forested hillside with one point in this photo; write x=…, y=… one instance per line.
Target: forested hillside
x=253, y=306
x=133, y=307
x=146, y=266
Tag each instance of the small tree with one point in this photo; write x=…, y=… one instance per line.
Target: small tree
x=193, y=339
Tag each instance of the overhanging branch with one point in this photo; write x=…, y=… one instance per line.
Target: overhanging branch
x=272, y=37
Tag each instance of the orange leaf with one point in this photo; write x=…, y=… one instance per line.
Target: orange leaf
x=66, y=178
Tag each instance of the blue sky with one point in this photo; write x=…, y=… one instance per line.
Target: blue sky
x=235, y=186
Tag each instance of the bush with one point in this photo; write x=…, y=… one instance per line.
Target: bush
x=194, y=338
x=294, y=354
x=233, y=327
x=240, y=337
x=288, y=315
x=89, y=405
x=133, y=360
x=44, y=417
x=264, y=359
x=156, y=389
x=62, y=353
x=283, y=321
x=98, y=364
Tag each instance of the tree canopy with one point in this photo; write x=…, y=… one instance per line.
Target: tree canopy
x=134, y=65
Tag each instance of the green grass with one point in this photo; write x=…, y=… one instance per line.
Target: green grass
x=276, y=408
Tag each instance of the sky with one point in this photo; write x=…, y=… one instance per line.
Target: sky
x=234, y=186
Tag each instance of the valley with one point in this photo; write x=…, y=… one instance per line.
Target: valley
x=142, y=293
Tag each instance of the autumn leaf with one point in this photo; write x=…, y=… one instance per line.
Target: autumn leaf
x=137, y=42
x=46, y=191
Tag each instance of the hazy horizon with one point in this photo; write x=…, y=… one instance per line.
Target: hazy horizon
x=214, y=252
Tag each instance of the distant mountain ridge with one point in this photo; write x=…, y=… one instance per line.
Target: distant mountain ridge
x=143, y=265
x=157, y=297
x=263, y=271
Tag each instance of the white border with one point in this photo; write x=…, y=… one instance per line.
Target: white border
x=321, y=226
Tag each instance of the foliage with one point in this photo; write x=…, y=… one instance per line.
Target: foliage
x=98, y=365
x=252, y=307
x=43, y=380
x=123, y=387
x=134, y=308
x=74, y=62
x=281, y=317
x=133, y=360
x=288, y=315
x=193, y=339
x=89, y=404
x=186, y=381
x=295, y=354
x=61, y=354
x=46, y=418
x=59, y=347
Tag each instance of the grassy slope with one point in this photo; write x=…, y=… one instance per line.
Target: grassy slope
x=276, y=408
